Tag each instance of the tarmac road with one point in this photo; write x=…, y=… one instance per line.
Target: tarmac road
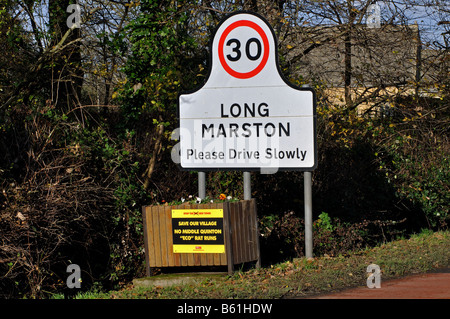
x=433, y=285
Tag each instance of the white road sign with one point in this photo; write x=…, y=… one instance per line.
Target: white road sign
x=247, y=116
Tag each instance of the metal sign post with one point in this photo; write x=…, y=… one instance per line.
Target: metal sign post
x=307, y=193
x=307, y=182
x=202, y=185
x=247, y=186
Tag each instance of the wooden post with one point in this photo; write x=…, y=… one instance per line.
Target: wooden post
x=146, y=241
x=228, y=238
x=256, y=232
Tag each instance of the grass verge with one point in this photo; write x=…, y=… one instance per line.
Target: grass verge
x=306, y=277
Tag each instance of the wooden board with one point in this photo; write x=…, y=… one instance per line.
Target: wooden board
x=241, y=236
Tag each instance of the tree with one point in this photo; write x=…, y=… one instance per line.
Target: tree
x=164, y=58
x=61, y=166
x=332, y=44
x=67, y=60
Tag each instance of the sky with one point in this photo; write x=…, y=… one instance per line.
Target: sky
x=427, y=17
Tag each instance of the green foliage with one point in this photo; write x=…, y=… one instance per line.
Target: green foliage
x=415, y=158
x=230, y=183
x=425, y=185
x=397, y=164
x=282, y=236
x=113, y=160
x=161, y=60
x=324, y=222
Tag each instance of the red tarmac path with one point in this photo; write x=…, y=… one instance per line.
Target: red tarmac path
x=435, y=285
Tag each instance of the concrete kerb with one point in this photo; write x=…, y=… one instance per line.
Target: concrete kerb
x=178, y=279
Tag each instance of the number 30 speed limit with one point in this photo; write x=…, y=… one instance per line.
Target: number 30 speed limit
x=246, y=56
x=247, y=49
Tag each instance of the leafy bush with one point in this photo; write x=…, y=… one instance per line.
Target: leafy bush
x=74, y=197
x=415, y=157
x=283, y=237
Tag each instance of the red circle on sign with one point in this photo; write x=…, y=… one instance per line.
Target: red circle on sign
x=262, y=34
